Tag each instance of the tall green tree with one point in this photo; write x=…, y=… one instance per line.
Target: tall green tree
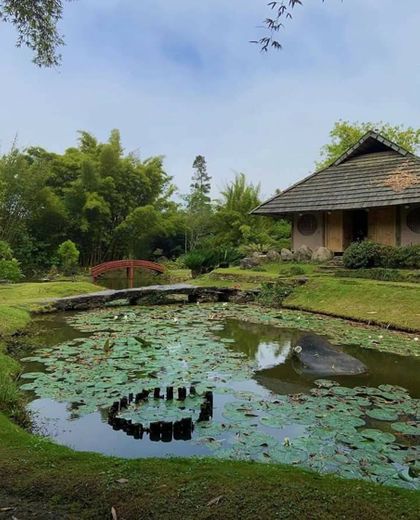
x=234, y=226
x=92, y=194
x=345, y=134
x=199, y=210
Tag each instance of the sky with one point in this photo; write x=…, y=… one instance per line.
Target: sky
x=179, y=78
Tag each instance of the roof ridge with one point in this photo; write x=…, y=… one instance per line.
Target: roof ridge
x=374, y=135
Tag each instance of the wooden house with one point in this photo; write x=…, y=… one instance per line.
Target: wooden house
x=371, y=192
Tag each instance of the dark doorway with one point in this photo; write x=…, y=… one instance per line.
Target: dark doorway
x=359, y=225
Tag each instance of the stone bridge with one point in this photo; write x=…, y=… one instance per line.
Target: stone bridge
x=136, y=295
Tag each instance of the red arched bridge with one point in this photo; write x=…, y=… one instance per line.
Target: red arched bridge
x=130, y=265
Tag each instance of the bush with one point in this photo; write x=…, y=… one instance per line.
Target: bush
x=273, y=294
x=376, y=273
x=204, y=260
x=407, y=256
x=10, y=270
x=296, y=270
x=69, y=257
x=361, y=255
x=5, y=251
x=9, y=267
x=366, y=254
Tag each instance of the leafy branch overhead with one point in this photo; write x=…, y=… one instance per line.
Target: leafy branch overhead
x=281, y=10
x=36, y=24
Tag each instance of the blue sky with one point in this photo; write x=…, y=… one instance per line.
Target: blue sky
x=179, y=78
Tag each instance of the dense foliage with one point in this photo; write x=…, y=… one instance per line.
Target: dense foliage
x=9, y=267
x=69, y=257
x=111, y=205
x=108, y=203
x=367, y=254
x=36, y=25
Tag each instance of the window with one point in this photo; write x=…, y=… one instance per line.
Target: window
x=307, y=224
x=413, y=220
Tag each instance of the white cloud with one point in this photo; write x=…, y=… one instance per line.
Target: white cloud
x=179, y=78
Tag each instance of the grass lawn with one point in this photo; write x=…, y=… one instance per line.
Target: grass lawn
x=42, y=480
x=386, y=303
x=250, y=279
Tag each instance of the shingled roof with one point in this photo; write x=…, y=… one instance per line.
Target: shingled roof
x=374, y=172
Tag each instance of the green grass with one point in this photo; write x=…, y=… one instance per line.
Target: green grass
x=249, y=279
x=28, y=293
x=39, y=477
x=384, y=303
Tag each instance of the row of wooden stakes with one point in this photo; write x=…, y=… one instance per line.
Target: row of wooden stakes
x=164, y=431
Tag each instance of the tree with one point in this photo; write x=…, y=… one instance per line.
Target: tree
x=69, y=257
x=85, y=195
x=198, y=204
x=36, y=25
x=345, y=134
x=200, y=185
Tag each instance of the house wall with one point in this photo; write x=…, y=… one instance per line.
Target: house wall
x=314, y=240
x=407, y=236
x=382, y=225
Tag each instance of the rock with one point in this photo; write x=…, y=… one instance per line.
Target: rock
x=322, y=254
x=286, y=255
x=303, y=254
x=318, y=357
x=249, y=262
x=273, y=256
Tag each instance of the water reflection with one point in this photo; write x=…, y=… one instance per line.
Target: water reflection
x=269, y=355
x=279, y=371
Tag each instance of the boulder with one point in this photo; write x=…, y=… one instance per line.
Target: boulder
x=318, y=357
x=322, y=254
x=273, y=256
x=303, y=254
x=249, y=262
x=286, y=255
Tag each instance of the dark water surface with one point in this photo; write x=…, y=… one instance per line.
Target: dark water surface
x=277, y=373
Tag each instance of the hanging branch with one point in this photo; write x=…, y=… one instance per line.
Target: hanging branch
x=282, y=10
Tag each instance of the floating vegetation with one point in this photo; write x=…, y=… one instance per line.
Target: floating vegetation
x=362, y=432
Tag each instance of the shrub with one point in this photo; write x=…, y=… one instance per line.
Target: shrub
x=366, y=254
x=204, y=260
x=5, y=251
x=69, y=257
x=360, y=255
x=407, y=256
x=273, y=294
x=9, y=267
x=376, y=273
x=296, y=270
x=10, y=270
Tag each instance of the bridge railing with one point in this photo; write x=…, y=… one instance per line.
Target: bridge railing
x=130, y=265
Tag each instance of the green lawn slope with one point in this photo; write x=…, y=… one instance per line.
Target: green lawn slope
x=384, y=303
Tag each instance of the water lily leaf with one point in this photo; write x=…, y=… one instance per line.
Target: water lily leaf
x=377, y=435
x=406, y=428
x=382, y=414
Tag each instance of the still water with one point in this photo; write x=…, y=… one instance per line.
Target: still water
x=276, y=373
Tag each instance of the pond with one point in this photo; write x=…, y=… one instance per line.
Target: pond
x=265, y=403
